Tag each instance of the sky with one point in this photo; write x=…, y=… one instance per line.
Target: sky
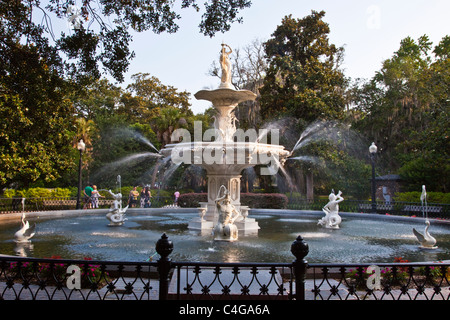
x=370, y=32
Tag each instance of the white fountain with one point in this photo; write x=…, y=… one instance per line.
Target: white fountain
x=332, y=220
x=427, y=241
x=26, y=232
x=225, y=151
x=116, y=214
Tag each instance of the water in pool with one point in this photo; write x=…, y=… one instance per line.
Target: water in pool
x=359, y=240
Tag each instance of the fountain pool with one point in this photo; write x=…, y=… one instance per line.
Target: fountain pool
x=361, y=238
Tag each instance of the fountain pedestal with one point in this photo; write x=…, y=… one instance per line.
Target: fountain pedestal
x=227, y=171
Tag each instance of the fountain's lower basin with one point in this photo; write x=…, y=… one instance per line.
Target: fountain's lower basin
x=360, y=238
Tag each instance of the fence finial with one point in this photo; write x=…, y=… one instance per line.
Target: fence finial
x=299, y=248
x=164, y=246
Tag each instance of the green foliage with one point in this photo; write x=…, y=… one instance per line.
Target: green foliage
x=192, y=200
x=36, y=122
x=40, y=192
x=9, y=193
x=303, y=79
x=101, y=38
x=414, y=196
x=61, y=192
x=264, y=200
x=404, y=109
x=253, y=200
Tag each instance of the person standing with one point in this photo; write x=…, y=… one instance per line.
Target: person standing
x=87, y=196
x=133, y=197
x=147, y=197
x=177, y=195
x=142, y=200
x=94, y=197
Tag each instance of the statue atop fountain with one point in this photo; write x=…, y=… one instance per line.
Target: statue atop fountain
x=225, y=229
x=332, y=219
x=225, y=63
x=116, y=215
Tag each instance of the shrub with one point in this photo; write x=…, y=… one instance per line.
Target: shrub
x=192, y=200
x=35, y=193
x=253, y=200
x=264, y=200
x=61, y=192
x=9, y=193
x=41, y=192
x=414, y=196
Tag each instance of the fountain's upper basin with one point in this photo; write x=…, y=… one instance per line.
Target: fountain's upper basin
x=225, y=96
x=225, y=152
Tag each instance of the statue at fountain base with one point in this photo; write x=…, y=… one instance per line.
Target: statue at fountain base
x=227, y=232
x=225, y=229
x=116, y=215
x=332, y=220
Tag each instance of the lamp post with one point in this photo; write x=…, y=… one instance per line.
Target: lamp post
x=373, y=150
x=81, y=147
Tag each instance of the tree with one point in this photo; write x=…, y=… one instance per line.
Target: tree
x=99, y=98
x=303, y=79
x=146, y=96
x=101, y=30
x=304, y=82
x=425, y=156
x=149, y=101
x=36, y=117
x=405, y=109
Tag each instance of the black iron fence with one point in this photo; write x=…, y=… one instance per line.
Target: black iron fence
x=433, y=210
x=58, y=279
x=19, y=204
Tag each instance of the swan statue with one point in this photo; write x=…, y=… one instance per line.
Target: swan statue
x=425, y=239
x=26, y=232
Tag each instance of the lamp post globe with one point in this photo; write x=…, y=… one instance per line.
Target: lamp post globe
x=373, y=148
x=81, y=146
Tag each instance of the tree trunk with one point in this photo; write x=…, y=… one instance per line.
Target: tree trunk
x=309, y=186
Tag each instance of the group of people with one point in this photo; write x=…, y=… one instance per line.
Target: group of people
x=145, y=197
x=91, y=197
